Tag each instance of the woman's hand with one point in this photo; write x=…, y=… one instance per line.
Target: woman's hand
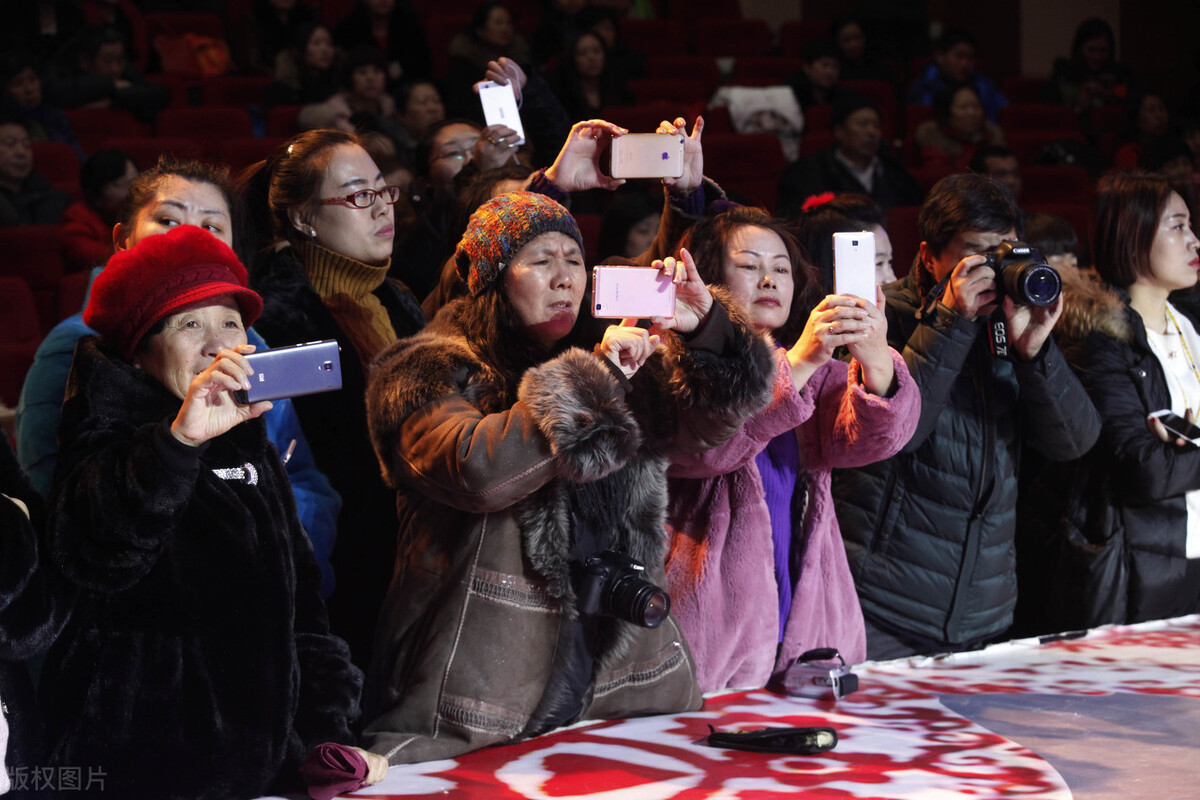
x=209, y=409
x=836, y=321
x=872, y=353
x=1158, y=429
x=693, y=300
x=505, y=71
x=628, y=346
x=577, y=167
x=496, y=146
x=693, y=156
x=377, y=766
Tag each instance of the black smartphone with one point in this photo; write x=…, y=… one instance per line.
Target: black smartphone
x=292, y=371
x=1178, y=425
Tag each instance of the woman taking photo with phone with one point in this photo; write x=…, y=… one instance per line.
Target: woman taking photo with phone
x=198, y=660
x=529, y=461
x=1121, y=528
x=323, y=274
x=757, y=569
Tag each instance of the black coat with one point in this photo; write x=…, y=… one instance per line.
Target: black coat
x=823, y=172
x=1103, y=537
x=335, y=424
x=198, y=662
x=34, y=605
x=930, y=532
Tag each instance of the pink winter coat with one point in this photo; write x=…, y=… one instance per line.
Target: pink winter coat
x=720, y=570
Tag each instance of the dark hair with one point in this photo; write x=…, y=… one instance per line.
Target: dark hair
x=292, y=176
x=943, y=99
x=978, y=161
x=966, y=201
x=952, y=37
x=143, y=187
x=821, y=47
x=10, y=116
x=847, y=103
x=1133, y=110
x=1156, y=154
x=480, y=16
x=92, y=39
x=425, y=144
x=1089, y=29
x=13, y=62
x=405, y=90
x=1126, y=213
x=1050, y=234
x=859, y=207
x=101, y=168
x=841, y=21
x=706, y=242
x=625, y=211
x=365, y=55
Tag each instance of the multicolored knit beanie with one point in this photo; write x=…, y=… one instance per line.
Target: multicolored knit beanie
x=503, y=225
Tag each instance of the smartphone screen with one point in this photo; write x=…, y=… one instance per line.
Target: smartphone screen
x=1178, y=425
x=642, y=292
x=854, y=264
x=500, y=107
x=646, y=155
x=293, y=371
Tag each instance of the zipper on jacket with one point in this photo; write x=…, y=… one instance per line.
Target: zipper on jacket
x=882, y=531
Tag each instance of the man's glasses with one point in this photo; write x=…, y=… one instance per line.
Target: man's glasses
x=365, y=198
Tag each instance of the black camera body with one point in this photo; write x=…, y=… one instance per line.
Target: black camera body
x=614, y=583
x=1023, y=275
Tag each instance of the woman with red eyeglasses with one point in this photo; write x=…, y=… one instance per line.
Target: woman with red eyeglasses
x=326, y=223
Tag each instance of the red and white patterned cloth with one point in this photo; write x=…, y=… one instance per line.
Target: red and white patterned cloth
x=1084, y=704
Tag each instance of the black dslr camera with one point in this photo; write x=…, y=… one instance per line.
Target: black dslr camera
x=613, y=583
x=1023, y=275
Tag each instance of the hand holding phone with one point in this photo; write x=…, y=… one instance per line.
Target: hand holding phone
x=293, y=371
x=1178, y=426
x=646, y=155
x=500, y=107
x=854, y=264
x=631, y=292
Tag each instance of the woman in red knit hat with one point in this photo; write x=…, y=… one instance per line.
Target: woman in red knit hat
x=198, y=662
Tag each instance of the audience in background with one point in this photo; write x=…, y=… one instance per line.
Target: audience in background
x=22, y=86
x=364, y=91
x=628, y=226
x=273, y=28
x=490, y=36
x=999, y=162
x=954, y=63
x=585, y=83
x=816, y=83
x=855, y=162
x=95, y=72
x=1090, y=76
x=26, y=197
x=958, y=129
x=87, y=234
x=395, y=29
x=860, y=62
x=307, y=71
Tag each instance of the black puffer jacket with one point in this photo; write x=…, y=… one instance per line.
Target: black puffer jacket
x=1103, y=537
x=198, y=661
x=930, y=532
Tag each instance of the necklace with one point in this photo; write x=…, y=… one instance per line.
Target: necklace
x=1187, y=352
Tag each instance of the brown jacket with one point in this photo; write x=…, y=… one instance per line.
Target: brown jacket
x=465, y=652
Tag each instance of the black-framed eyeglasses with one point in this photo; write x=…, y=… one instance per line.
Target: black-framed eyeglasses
x=365, y=198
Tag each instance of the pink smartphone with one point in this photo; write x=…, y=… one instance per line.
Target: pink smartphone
x=642, y=292
x=647, y=155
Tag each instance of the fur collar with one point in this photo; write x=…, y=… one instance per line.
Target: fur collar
x=1092, y=306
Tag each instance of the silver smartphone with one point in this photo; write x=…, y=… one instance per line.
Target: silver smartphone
x=854, y=264
x=293, y=371
x=646, y=155
x=641, y=292
x=500, y=107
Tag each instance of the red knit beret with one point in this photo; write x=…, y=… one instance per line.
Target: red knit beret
x=159, y=276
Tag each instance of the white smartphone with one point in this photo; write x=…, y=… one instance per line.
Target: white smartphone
x=500, y=107
x=641, y=292
x=293, y=371
x=1178, y=425
x=646, y=155
x=854, y=264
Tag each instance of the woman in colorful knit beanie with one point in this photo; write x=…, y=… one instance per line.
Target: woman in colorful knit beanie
x=529, y=462
x=198, y=660
x=327, y=225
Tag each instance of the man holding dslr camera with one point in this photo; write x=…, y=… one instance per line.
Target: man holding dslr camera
x=930, y=532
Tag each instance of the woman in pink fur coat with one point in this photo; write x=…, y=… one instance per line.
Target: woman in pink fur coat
x=757, y=572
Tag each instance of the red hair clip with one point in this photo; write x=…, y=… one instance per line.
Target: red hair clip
x=816, y=201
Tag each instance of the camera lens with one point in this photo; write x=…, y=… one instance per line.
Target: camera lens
x=1032, y=283
x=638, y=601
